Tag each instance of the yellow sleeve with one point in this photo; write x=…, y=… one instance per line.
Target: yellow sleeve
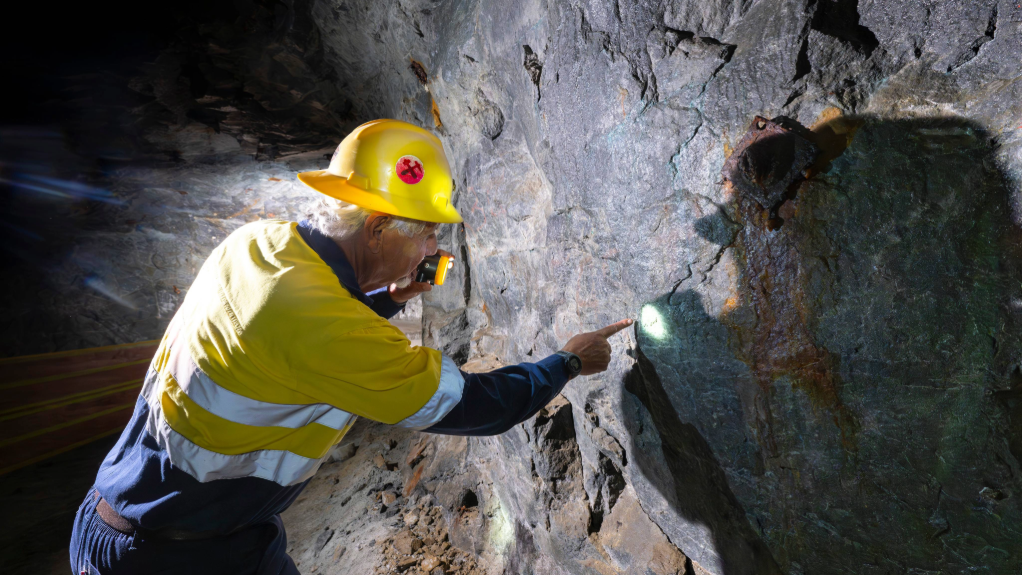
x=372, y=371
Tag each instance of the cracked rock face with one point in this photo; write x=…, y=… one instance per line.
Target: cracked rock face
x=831, y=388
x=831, y=391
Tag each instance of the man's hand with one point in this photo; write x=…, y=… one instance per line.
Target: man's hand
x=593, y=348
x=402, y=295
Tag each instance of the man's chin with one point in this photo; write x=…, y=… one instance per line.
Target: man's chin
x=403, y=282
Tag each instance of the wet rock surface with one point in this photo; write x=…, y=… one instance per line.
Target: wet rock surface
x=831, y=388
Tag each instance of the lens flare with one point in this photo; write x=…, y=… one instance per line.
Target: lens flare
x=652, y=322
x=65, y=189
x=97, y=284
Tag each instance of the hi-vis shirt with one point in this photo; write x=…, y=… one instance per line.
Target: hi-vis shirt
x=273, y=354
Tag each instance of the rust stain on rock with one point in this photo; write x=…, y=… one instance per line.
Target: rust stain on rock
x=832, y=132
x=773, y=333
x=420, y=71
x=785, y=280
x=770, y=159
x=436, y=114
x=413, y=482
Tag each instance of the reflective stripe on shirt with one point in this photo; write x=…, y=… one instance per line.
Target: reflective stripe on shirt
x=277, y=465
x=174, y=369
x=240, y=409
x=285, y=343
x=280, y=466
x=271, y=357
x=448, y=394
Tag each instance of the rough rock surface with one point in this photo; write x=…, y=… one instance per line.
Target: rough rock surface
x=369, y=509
x=840, y=394
x=389, y=500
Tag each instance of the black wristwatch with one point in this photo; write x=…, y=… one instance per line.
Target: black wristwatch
x=572, y=362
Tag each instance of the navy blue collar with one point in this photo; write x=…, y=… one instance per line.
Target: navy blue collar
x=334, y=257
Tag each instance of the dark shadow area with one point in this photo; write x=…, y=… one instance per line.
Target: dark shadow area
x=695, y=484
x=120, y=88
x=93, y=91
x=40, y=502
x=840, y=19
x=862, y=357
x=65, y=125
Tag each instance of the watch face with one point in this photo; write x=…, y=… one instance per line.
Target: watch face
x=576, y=364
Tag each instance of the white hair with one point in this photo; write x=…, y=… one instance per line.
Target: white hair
x=340, y=220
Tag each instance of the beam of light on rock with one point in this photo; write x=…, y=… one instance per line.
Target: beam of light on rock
x=97, y=284
x=501, y=532
x=652, y=322
x=64, y=189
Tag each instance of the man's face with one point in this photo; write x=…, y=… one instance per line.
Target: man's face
x=402, y=254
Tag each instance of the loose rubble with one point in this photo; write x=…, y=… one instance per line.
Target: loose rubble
x=423, y=546
x=369, y=509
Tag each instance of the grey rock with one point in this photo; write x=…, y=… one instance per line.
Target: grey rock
x=322, y=540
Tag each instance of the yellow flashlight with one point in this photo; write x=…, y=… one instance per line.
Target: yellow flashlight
x=433, y=269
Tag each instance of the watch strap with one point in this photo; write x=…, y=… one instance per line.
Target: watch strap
x=572, y=362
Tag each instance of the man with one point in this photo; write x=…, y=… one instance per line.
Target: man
x=274, y=352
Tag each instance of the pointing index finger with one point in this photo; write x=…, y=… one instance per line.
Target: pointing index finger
x=614, y=327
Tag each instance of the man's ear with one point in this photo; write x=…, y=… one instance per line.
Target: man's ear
x=374, y=231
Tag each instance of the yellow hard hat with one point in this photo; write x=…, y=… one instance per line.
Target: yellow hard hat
x=392, y=167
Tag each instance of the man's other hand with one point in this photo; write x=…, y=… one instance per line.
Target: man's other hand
x=402, y=295
x=593, y=348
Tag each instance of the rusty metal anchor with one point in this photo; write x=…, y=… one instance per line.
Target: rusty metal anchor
x=773, y=155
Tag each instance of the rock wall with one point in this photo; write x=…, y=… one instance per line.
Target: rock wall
x=834, y=395
x=831, y=388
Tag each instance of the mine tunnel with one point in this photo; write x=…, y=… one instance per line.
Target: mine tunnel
x=501, y=287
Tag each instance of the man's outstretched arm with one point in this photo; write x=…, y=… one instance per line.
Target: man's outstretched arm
x=494, y=402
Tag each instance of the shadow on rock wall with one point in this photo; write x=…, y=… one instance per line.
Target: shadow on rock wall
x=837, y=395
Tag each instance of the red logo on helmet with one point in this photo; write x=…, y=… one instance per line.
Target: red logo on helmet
x=409, y=169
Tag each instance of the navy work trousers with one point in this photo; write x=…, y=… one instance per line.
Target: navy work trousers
x=98, y=549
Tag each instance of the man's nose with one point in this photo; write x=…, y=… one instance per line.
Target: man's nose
x=431, y=246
